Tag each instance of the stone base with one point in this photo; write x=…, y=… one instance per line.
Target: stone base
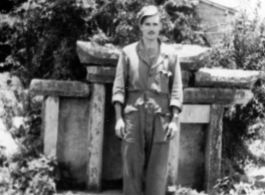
x=112, y=192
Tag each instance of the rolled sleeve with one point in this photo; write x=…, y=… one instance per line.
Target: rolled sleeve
x=176, y=99
x=118, y=92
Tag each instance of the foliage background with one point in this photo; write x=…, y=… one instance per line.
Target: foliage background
x=44, y=32
x=243, y=48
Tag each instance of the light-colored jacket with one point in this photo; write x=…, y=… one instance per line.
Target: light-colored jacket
x=137, y=82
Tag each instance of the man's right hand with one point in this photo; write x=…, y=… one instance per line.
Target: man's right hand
x=120, y=128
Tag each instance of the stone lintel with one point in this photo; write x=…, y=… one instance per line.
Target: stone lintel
x=226, y=78
x=216, y=96
x=92, y=53
x=59, y=88
x=213, y=150
x=192, y=57
x=95, y=137
x=100, y=74
x=109, y=192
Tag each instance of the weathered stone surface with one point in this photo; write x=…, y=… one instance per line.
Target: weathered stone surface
x=59, y=88
x=73, y=138
x=173, y=161
x=92, y=53
x=96, y=74
x=95, y=137
x=192, y=57
x=195, y=114
x=226, y=78
x=213, y=154
x=108, y=192
x=191, y=156
x=51, y=125
x=217, y=95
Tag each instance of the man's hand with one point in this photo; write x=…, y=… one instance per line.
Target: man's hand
x=120, y=125
x=120, y=128
x=173, y=126
x=172, y=130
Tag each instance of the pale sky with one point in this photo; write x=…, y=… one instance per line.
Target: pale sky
x=248, y=5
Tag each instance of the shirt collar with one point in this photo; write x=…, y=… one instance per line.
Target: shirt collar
x=162, y=51
x=162, y=48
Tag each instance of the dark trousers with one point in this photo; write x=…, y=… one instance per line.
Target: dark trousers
x=145, y=152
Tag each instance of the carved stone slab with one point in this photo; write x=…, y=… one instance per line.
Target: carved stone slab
x=217, y=96
x=226, y=78
x=109, y=192
x=59, y=88
x=195, y=114
x=191, y=155
x=100, y=74
x=192, y=57
x=73, y=138
x=92, y=53
x=96, y=74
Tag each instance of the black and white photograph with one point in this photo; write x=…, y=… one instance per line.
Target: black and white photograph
x=132, y=97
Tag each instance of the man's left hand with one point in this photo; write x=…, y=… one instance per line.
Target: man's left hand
x=172, y=130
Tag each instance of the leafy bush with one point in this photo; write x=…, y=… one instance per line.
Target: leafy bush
x=243, y=48
x=43, y=40
x=227, y=186
x=28, y=171
x=33, y=177
x=28, y=176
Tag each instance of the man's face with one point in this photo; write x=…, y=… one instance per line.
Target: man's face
x=151, y=27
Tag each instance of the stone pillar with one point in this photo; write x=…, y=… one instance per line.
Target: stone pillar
x=51, y=125
x=95, y=137
x=213, y=154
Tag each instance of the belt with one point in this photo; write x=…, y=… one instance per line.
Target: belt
x=142, y=97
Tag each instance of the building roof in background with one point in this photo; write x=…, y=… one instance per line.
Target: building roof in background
x=220, y=4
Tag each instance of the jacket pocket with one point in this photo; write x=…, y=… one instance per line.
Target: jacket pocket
x=131, y=124
x=162, y=79
x=162, y=121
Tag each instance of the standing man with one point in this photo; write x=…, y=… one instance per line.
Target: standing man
x=147, y=96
